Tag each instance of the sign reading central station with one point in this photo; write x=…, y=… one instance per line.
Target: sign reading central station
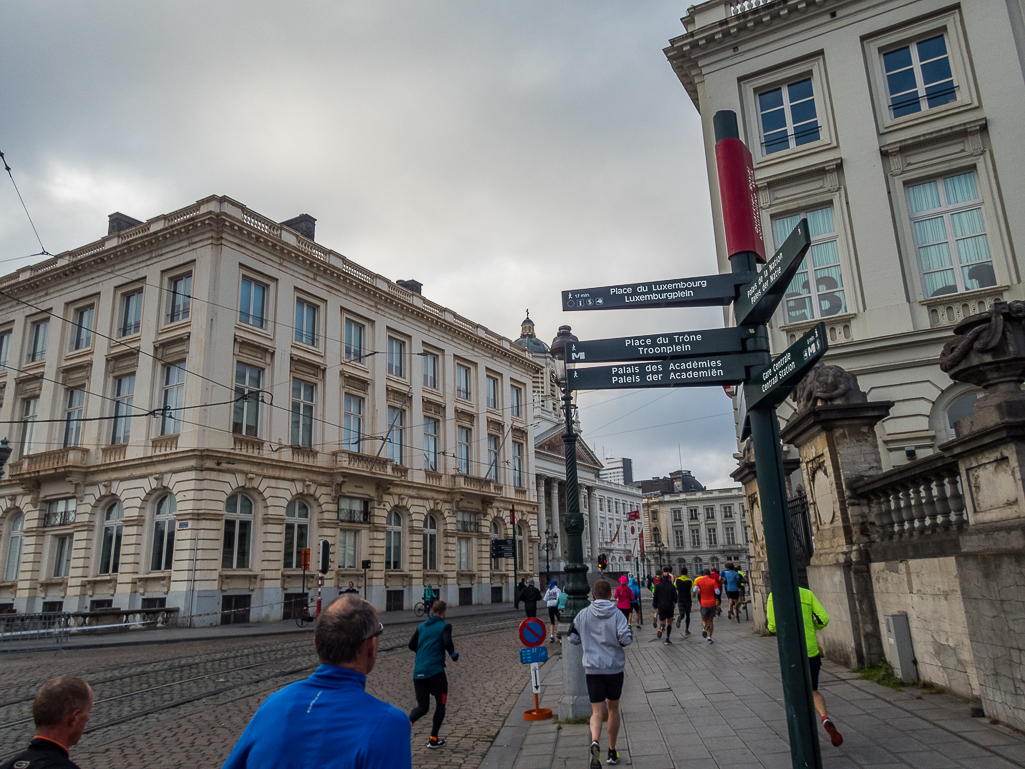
x=704, y=291
x=776, y=381
x=687, y=372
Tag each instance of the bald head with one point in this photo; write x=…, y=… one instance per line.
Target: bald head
x=343, y=628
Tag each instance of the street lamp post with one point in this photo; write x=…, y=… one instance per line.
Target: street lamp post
x=551, y=542
x=574, y=702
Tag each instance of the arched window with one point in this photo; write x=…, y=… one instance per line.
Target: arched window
x=681, y=565
x=163, y=533
x=698, y=566
x=959, y=409
x=496, y=533
x=14, y=539
x=238, y=532
x=520, y=551
x=297, y=532
x=393, y=541
x=430, y=543
x=713, y=563
x=113, y=527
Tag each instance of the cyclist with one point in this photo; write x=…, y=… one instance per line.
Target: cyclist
x=430, y=596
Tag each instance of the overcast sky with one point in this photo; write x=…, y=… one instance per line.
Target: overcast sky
x=498, y=152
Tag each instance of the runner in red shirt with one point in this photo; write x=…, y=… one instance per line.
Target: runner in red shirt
x=718, y=596
x=708, y=590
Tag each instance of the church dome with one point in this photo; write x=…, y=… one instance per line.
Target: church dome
x=528, y=340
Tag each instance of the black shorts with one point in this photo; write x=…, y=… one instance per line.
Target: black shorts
x=733, y=595
x=707, y=612
x=665, y=613
x=601, y=688
x=626, y=613
x=436, y=686
x=684, y=607
x=553, y=614
x=815, y=663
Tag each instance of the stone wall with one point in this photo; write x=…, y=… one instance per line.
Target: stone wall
x=836, y=640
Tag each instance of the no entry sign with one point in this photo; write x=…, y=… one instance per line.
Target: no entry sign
x=532, y=632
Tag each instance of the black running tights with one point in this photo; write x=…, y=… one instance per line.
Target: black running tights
x=436, y=686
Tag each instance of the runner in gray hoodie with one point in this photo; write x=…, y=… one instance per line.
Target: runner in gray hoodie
x=603, y=631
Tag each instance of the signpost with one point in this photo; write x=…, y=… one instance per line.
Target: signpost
x=503, y=548
x=532, y=635
x=722, y=357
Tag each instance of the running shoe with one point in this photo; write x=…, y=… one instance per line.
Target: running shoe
x=595, y=755
x=435, y=742
x=667, y=642
x=659, y=633
x=654, y=621
x=711, y=641
x=613, y=756
x=704, y=634
x=834, y=736
x=729, y=614
x=551, y=640
x=686, y=632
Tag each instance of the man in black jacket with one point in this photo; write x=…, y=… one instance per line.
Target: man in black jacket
x=530, y=596
x=60, y=710
x=663, y=602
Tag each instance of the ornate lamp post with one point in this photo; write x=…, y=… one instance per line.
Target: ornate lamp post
x=550, y=544
x=574, y=702
x=5, y=454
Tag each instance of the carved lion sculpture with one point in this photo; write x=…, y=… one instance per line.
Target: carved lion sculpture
x=828, y=384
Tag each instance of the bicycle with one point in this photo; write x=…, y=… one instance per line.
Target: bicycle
x=419, y=609
x=303, y=617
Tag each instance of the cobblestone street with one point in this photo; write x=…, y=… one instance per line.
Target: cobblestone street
x=185, y=704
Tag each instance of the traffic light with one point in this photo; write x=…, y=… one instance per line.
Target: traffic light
x=603, y=562
x=325, y=556
x=306, y=558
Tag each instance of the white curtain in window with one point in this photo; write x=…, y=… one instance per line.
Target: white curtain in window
x=924, y=197
x=961, y=188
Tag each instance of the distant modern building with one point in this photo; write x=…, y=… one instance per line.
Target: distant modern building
x=618, y=470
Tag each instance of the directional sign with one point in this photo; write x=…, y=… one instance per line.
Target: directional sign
x=532, y=632
x=759, y=299
x=689, y=372
x=704, y=291
x=675, y=344
x=534, y=654
x=502, y=548
x=773, y=384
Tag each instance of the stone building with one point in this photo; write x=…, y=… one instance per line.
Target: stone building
x=195, y=399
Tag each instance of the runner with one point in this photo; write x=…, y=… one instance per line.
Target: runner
x=430, y=595
x=530, y=596
x=519, y=592
x=635, y=604
x=684, y=585
x=653, y=583
x=714, y=574
x=430, y=641
x=624, y=598
x=663, y=603
x=743, y=587
x=815, y=618
x=561, y=606
x=708, y=591
x=552, y=601
x=731, y=579
x=604, y=632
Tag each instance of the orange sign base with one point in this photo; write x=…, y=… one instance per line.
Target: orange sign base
x=538, y=713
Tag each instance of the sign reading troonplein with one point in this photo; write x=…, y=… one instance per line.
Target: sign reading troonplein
x=759, y=298
x=674, y=344
x=686, y=372
x=772, y=385
x=703, y=291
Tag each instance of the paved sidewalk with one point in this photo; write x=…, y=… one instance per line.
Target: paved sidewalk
x=699, y=706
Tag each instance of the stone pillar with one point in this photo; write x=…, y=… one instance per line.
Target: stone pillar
x=758, y=573
x=836, y=439
x=556, y=525
x=592, y=520
x=542, y=518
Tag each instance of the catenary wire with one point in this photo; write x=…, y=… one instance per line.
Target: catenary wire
x=42, y=248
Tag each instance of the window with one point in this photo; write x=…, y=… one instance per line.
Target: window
x=173, y=399
x=601, y=505
x=680, y=537
x=516, y=401
x=747, y=537
x=463, y=389
x=303, y=400
x=396, y=434
x=958, y=410
x=348, y=549
x=238, y=532
x=297, y=533
x=62, y=547
x=396, y=357
x=131, y=314
x=354, y=340
x=698, y=566
x=124, y=395
x=821, y=294
x=113, y=528
x=517, y=464
x=463, y=438
x=15, y=537
x=353, y=510
x=73, y=416
x=463, y=554
x=918, y=76
x=393, y=541
x=466, y=521
x=40, y=330
x=492, y=392
x=431, y=444
x=430, y=370
x=82, y=336
x=710, y=513
x=692, y=514
x=60, y=512
x=712, y=536
x=179, y=299
x=713, y=562
x=677, y=515
x=163, y=534
x=788, y=117
x=252, y=303
x=493, y=441
x=5, y=348
x=695, y=538
x=729, y=535
x=430, y=543
x=352, y=424
x=305, y=322
x=946, y=217
x=245, y=418
x=727, y=511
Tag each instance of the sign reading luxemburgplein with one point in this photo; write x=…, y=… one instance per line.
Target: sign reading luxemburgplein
x=686, y=372
x=775, y=382
x=703, y=291
x=675, y=344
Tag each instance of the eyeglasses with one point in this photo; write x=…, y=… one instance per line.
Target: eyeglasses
x=380, y=629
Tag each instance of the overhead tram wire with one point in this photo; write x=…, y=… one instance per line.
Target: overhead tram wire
x=42, y=248
x=666, y=424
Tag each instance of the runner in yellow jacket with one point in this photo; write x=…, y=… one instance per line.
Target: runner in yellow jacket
x=815, y=618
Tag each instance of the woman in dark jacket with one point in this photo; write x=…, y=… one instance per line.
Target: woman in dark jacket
x=663, y=604
x=530, y=596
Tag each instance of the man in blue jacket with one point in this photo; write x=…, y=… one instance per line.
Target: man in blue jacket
x=329, y=720
x=430, y=641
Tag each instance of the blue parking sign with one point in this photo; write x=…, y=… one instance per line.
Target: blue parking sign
x=537, y=654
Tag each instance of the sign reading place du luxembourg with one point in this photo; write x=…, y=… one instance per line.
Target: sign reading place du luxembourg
x=676, y=344
x=703, y=291
x=686, y=372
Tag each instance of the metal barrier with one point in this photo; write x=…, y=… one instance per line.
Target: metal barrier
x=21, y=627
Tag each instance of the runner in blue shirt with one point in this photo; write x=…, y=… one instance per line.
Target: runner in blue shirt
x=731, y=581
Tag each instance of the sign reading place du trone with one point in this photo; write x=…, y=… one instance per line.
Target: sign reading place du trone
x=673, y=344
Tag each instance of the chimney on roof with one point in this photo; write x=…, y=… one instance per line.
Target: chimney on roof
x=411, y=285
x=118, y=221
x=304, y=224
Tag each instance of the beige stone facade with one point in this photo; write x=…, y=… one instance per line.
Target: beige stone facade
x=193, y=399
